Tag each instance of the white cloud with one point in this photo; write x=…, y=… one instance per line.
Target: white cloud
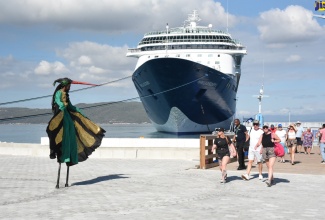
x=293, y=24
x=104, y=59
x=293, y=58
x=84, y=60
x=47, y=68
x=96, y=70
x=111, y=15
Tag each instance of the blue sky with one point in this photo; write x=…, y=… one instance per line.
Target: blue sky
x=41, y=41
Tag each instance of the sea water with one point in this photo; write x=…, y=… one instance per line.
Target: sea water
x=32, y=133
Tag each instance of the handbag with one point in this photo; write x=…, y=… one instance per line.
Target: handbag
x=246, y=144
x=278, y=149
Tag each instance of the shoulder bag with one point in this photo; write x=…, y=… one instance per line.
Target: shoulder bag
x=278, y=148
x=246, y=144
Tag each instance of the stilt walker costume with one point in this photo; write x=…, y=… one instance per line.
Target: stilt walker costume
x=73, y=137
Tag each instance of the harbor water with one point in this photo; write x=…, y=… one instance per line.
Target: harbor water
x=32, y=133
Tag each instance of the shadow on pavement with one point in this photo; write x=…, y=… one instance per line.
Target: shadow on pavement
x=233, y=178
x=99, y=179
x=280, y=180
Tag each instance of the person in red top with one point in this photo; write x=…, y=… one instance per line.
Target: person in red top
x=272, y=129
x=322, y=143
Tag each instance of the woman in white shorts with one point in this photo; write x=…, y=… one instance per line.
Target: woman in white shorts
x=254, y=151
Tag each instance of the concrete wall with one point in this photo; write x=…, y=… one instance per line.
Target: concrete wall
x=122, y=148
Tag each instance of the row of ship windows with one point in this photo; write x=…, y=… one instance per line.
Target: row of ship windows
x=187, y=38
x=189, y=55
x=186, y=46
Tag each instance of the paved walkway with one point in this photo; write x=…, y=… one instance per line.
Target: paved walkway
x=153, y=189
x=304, y=164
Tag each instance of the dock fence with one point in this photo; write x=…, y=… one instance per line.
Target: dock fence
x=206, y=156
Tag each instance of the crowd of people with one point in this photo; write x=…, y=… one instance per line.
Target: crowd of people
x=261, y=146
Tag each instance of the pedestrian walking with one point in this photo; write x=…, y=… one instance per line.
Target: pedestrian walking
x=292, y=143
x=222, y=143
x=267, y=141
x=307, y=140
x=254, y=151
x=241, y=136
x=282, y=134
x=299, y=131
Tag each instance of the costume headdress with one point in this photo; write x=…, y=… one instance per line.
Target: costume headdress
x=65, y=81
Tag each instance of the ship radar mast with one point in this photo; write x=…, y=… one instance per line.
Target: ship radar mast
x=259, y=116
x=192, y=20
x=260, y=97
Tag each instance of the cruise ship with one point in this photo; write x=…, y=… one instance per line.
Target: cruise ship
x=187, y=77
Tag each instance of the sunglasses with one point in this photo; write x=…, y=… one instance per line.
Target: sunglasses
x=255, y=124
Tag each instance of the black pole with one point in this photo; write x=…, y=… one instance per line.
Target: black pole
x=57, y=183
x=66, y=184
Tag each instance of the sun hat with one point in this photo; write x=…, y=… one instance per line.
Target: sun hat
x=219, y=129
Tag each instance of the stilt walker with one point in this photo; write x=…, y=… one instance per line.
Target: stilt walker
x=73, y=137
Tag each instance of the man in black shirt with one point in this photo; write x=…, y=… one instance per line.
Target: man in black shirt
x=241, y=136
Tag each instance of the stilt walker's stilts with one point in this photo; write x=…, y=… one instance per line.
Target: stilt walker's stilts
x=66, y=183
x=57, y=183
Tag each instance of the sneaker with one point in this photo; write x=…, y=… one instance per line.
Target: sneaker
x=245, y=177
x=323, y=162
x=268, y=183
x=260, y=177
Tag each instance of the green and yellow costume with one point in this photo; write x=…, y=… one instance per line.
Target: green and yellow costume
x=73, y=137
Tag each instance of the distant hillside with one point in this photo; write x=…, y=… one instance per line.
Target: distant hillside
x=125, y=112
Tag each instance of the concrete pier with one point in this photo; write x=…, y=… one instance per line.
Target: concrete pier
x=157, y=189
x=120, y=148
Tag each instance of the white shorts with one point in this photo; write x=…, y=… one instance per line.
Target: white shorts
x=254, y=153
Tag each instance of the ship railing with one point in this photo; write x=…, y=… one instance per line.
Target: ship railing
x=209, y=159
x=134, y=50
x=186, y=30
x=172, y=40
x=189, y=46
